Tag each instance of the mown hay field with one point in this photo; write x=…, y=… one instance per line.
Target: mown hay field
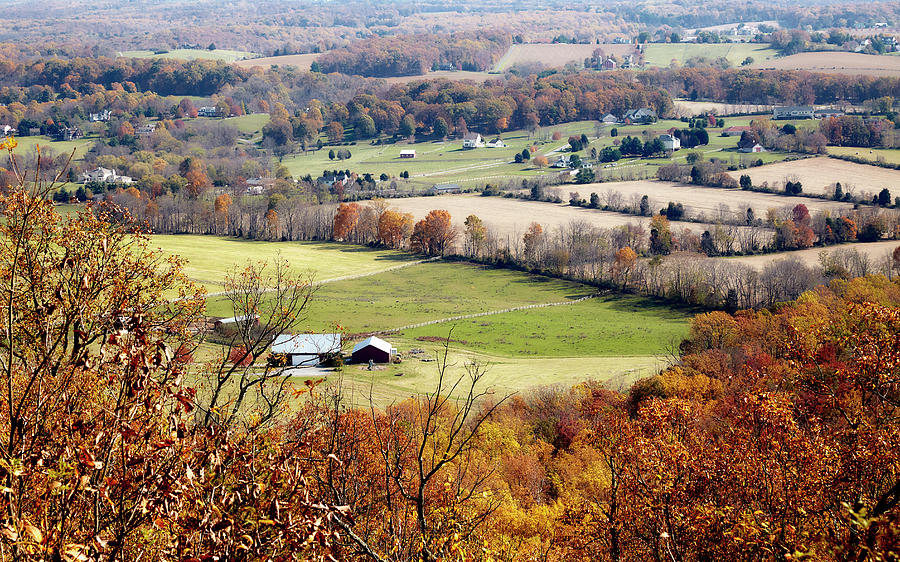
x=817, y=175
x=836, y=62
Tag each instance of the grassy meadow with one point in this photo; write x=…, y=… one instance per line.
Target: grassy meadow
x=210, y=258
x=662, y=54
x=612, y=338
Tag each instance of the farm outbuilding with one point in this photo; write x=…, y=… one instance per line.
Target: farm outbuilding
x=411, y=153
x=373, y=349
x=306, y=350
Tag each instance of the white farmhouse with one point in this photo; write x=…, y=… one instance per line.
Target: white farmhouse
x=670, y=142
x=473, y=140
x=105, y=175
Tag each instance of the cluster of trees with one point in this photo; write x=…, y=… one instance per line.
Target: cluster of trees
x=417, y=54
x=848, y=130
x=745, y=85
x=437, y=108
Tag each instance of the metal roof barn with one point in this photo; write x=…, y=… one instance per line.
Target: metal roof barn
x=306, y=349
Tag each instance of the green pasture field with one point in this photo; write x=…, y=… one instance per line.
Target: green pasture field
x=81, y=146
x=209, y=258
x=424, y=292
x=604, y=326
x=226, y=55
x=886, y=155
x=615, y=339
x=662, y=54
x=249, y=124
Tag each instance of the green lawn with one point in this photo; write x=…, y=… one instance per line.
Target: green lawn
x=210, y=258
x=662, y=54
x=226, y=55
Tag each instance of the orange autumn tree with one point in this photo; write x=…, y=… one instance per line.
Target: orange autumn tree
x=434, y=234
x=101, y=455
x=345, y=220
x=394, y=228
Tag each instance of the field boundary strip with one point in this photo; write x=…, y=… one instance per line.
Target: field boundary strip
x=477, y=315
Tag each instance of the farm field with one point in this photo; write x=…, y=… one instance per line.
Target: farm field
x=662, y=54
x=876, y=251
x=513, y=216
x=700, y=201
x=226, y=55
x=81, y=146
x=690, y=108
x=887, y=155
x=838, y=62
x=611, y=338
x=817, y=174
x=210, y=258
x=554, y=55
x=426, y=292
x=302, y=62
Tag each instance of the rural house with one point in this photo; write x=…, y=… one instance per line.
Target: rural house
x=208, y=111
x=147, y=129
x=793, y=112
x=609, y=119
x=643, y=115
x=104, y=175
x=496, y=143
x=373, y=349
x=408, y=153
x=102, y=116
x=750, y=146
x=473, y=140
x=561, y=162
x=306, y=350
x=608, y=64
x=735, y=131
x=825, y=112
x=69, y=133
x=670, y=142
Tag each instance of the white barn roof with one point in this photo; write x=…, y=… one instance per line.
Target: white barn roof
x=237, y=319
x=375, y=342
x=306, y=344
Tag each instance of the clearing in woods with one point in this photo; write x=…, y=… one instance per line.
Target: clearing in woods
x=226, y=55
x=554, y=55
x=302, y=62
x=836, y=62
x=818, y=175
